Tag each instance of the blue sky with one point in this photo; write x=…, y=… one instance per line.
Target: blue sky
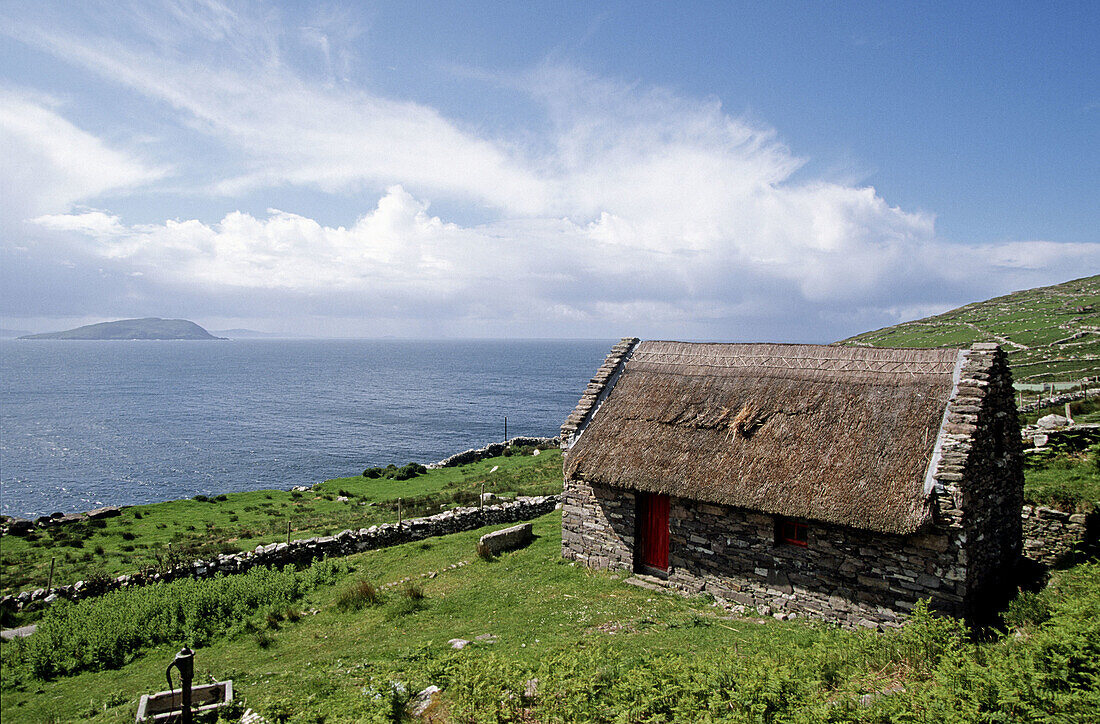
x=772, y=171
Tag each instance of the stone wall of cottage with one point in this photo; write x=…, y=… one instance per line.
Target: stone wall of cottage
x=981, y=482
x=850, y=576
x=598, y=525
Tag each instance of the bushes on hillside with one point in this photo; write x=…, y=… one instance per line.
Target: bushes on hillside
x=392, y=472
x=1047, y=669
x=104, y=632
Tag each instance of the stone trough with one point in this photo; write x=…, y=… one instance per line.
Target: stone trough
x=165, y=706
x=507, y=539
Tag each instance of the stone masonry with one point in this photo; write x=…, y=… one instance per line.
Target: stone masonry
x=1054, y=538
x=596, y=391
x=963, y=562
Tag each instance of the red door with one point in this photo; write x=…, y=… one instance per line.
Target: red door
x=653, y=529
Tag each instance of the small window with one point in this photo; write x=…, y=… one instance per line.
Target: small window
x=790, y=532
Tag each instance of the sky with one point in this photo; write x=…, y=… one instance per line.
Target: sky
x=698, y=171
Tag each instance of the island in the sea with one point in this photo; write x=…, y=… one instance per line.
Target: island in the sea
x=147, y=328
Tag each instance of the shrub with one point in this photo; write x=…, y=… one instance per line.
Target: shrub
x=274, y=618
x=359, y=594
x=106, y=632
x=484, y=552
x=127, y=535
x=201, y=498
x=392, y=472
x=1027, y=609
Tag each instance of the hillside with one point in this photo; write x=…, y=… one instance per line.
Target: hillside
x=1051, y=334
x=147, y=328
x=526, y=637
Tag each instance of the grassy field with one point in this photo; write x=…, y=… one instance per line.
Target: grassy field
x=1065, y=481
x=1050, y=333
x=601, y=651
x=147, y=535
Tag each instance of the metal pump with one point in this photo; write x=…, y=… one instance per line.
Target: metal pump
x=185, y=662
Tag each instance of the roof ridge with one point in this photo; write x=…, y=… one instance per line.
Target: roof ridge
x=597, y=390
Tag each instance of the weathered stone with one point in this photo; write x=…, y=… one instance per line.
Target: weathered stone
x=20, y=526
x=1051, y=422
x=423, y=700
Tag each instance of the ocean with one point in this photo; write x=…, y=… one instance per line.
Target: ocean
x=85, y=424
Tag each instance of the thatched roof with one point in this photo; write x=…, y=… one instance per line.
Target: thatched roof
x=838, y=434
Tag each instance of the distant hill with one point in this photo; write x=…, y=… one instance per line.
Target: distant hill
x=1050, y=333
x=148, y=328
x=11, y=333
x=253, y=334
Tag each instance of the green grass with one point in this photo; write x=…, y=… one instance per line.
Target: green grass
x=602, y=651
x=1038, y=321
x=1063, y=480
x=148, y=535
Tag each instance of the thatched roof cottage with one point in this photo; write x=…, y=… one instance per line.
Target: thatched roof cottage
x=839, y=482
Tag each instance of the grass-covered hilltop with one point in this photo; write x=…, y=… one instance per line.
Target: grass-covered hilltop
x=152, y=328
x=1051, y=334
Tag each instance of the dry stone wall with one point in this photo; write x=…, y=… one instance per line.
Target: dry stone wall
x=1054, y=538
x=305, y=550
x=494, y=449
x=598, y=525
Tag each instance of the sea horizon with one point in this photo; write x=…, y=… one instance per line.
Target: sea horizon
x=85, y=425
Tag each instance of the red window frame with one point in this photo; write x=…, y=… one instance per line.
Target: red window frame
x=791, y=532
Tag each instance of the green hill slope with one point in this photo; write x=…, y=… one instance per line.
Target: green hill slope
x=1050, y=333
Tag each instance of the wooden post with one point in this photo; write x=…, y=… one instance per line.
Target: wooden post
x=482, y=498
x=505, y=428
x=1068, y=415
x=399, y=512
x=49, y=581
x=288, y=531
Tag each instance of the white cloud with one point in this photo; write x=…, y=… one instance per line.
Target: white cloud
x=401, y=264
x=634, y=209
x=47, y=164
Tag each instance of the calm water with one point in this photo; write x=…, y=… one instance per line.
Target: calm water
x=84, y=424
